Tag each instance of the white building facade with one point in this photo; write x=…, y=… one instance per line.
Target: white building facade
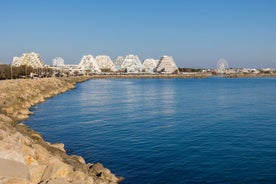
x=29, y=59
x=58, y=62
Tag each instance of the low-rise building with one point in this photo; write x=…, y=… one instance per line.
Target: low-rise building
x=58, y=62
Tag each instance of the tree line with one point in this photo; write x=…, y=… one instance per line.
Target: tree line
x=189, y=70
x=24, y=71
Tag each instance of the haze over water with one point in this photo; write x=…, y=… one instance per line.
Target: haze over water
x=212, y=130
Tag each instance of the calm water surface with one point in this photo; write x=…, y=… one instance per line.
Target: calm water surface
x=169, y=130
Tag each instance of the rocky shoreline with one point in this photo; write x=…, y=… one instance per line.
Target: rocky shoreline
x=24, y=156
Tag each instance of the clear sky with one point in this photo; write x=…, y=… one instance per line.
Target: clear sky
x=197, y=33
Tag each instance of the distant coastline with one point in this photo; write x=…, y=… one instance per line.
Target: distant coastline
x=186, y=75
x=149, y=76
x=249, y=75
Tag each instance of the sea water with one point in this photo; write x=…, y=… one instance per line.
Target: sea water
x=213, y=130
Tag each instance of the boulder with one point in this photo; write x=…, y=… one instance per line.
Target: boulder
x=59, y=146
x=36, y=173
x=57, y=181
x=77, y=176
x=103, y=173
x=56, y=169
x=12, y=155
x=5, y=118
x=13, y=169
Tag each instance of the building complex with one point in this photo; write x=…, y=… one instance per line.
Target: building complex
x=101, y=63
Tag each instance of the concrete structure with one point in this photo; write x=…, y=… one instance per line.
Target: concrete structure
x=88, y=63
x=149, y=65
x=132, y=64
x=58, y=62
x=166, y=65
x=29, y=59
x=105, y=63
x=118, y=62
x=102, y=63
x=73, y=68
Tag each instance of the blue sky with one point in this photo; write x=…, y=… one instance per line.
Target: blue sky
x=197, y=33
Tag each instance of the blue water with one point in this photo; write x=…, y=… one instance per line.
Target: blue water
x=212, y=130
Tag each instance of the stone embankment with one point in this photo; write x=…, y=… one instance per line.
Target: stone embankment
x=150, y=76
x=24, y=156
x=249, y=75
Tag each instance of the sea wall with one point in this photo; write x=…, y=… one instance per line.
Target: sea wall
x=24, y=156
x=249, y=75
x=150, y=76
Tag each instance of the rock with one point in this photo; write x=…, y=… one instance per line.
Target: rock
x=9, y=110
x=78, y=182
x=36, y=136
x=79, y=158
x=36, y=173
x=89, y=180
x=5, y=118
x=13, y=169
x=30, y=160
x=41, y=154
x=14, y=181
x=75, y=163
x=77, y=176
x=22, y=117
x=59, y=146
x=57, y=181
x=102, y=173
x=12, y=155
x=56, y=169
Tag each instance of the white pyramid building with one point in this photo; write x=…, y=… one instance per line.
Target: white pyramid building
x=149, y=65
x=166, y=65
x=29, y=59
x=88, y=62
x=132, y=64
x=118, y=62
x=104, y=62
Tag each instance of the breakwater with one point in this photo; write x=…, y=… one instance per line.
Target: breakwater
x=24, y=155
x=249, y=75
x=150, y=76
